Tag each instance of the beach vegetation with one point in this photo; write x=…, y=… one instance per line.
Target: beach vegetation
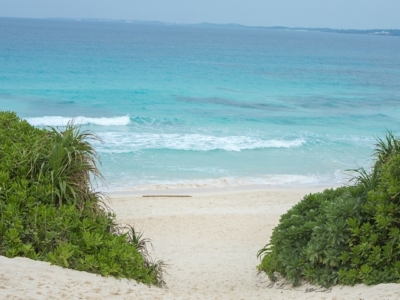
x=346, y=235
x=50, y=212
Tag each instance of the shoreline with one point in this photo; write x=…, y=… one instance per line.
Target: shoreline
x=210, y=191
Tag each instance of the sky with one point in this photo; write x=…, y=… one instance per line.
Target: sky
x=338, y=14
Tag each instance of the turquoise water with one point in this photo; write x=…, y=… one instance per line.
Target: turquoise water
x=192, y=106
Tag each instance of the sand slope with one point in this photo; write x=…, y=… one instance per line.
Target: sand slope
x=209, y=242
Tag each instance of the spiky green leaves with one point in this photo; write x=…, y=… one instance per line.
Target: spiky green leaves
x=49, y=212
x=71, y=161
x=347, y=235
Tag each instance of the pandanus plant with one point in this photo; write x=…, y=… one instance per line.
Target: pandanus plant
x=72, y=162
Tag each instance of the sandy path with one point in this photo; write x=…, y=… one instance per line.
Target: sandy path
x=209, y=242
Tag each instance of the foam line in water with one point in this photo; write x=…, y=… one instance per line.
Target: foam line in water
x=63, y=121
x=115, y=142
x=275, y=180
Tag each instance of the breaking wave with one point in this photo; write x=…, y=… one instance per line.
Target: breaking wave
x=116, y=142
x=62, y=121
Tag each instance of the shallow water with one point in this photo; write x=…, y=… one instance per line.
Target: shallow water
x=191, y=106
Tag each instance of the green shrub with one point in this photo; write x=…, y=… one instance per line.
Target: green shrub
x=49, y=212
x=348, y=235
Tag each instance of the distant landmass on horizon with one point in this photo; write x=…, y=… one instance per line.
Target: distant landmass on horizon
x=376, y=31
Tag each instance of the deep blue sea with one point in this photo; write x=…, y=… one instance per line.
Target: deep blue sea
x=195, y=105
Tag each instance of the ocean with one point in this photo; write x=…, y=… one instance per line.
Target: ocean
x=193, y=106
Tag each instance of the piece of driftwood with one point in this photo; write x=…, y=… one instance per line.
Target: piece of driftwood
x=173, y=196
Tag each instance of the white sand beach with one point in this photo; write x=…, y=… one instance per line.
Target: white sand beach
x=209, y=242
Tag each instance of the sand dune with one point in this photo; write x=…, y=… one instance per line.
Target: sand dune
x=209, y=242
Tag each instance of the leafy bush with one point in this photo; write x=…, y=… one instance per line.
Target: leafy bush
x=49, y=212
x=348, y=235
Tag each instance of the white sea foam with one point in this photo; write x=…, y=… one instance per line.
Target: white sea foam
x=117, y=142
x=276, y=180
x=62, y=121
x=329, y=140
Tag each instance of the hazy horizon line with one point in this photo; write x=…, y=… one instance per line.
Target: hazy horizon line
x=128, y=21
